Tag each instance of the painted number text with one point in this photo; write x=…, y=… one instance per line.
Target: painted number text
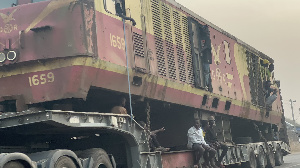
x=117, y=41
x=41, y=79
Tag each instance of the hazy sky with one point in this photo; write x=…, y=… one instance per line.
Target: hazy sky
x=270, y=26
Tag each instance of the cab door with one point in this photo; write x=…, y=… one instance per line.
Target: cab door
x=201, y=52
x=112, y=39
x=139, y=34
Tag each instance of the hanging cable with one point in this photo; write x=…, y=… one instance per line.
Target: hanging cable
x=129, y=93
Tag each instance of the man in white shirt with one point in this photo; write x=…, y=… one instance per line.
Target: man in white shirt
x=197, y=143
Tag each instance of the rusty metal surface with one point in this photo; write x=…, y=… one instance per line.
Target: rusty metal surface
x=64, y=47
x=46, y=85
x=71, y=28
x=53, y=29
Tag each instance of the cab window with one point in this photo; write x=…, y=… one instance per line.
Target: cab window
x=114, y=6
x=109, y=6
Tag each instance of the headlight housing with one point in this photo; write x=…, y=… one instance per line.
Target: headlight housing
x=11, y=55
x=2, y=57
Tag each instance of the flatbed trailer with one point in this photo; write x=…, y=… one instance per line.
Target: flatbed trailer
x=85, y=125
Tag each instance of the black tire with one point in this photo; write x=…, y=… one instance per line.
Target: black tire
x=278, y=156
x=14, y=164
x=252, y=160
x=64, y=162
x=261, y=158
x=271, y=158
x=100, y=157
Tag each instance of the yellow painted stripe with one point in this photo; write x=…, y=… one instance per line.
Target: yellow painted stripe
x=147, y=12
x=241, y=64
x=53, y=5
x=100, y=64
x=137, y=9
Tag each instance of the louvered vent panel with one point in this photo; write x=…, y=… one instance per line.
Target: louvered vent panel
x=138, y=44
x=256, y=83
x=252, y=68
x=188, y=52
x=169, y=41
x=158, y=37
x=167, y=24
x=179, y=46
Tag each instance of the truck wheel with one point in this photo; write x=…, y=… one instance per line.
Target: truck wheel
x=100, y=157
x=271, y=158
x=278, y=156
x=261, y=158
x=64, y=162
x=252, y=160
x=13, y=164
